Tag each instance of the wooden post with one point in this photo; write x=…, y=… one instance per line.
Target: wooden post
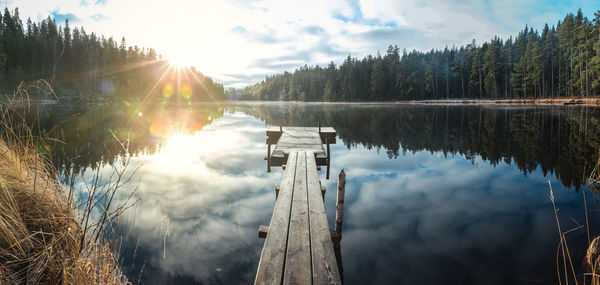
x=269, y=158
x=328, y=157
x=336, y=234
x=263, y=231
x=339, y=208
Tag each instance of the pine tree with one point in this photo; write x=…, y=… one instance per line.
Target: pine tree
x=476, y=77
x=595, y=60
x=533, y=61
x=490, y=68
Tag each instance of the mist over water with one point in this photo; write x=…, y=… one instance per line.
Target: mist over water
x=434, y=194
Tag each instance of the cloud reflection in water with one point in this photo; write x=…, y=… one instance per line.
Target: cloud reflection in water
x=423, y=218
x=430, y=219
x=213, y=187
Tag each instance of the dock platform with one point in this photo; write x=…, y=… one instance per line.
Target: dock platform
x=298, y=246
x=287, y=139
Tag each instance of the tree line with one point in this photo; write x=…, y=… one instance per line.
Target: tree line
x=73, y=59
x=562, y=60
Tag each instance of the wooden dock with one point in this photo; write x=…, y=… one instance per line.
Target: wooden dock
x=298, y=138
x=298, y=247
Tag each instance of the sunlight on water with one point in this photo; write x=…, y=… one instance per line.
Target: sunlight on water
x=186, y=154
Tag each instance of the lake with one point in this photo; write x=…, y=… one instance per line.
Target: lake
x=434, y=194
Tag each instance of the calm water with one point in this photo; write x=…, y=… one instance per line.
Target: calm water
x=450, y=194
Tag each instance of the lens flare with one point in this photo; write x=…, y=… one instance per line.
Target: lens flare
x=195, y=127
x=168, y=90
x=186, y=91
x=157, y=129
x=106, y=86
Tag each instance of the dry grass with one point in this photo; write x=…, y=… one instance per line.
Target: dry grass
x=40, y=234
x=566, y=266
x=592, y=257
x=591, y=262
x=45, y=236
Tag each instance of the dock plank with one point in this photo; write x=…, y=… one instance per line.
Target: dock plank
x=324, y=264
x=299, y=139
x=298, y=259
x=327, y=134
x=271, y=264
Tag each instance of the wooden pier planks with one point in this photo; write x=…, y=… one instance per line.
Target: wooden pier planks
x=271, y=264
x=289, y=139
x=306, y=256
x=299, y=139
x=324, y=264
x=298, y=259
x=327, y=133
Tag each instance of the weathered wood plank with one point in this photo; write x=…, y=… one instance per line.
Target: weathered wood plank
x=299, y=139
x=324, y=264
x=324, y=130
x=298, y=258
x=272, y=257
x=327, y=135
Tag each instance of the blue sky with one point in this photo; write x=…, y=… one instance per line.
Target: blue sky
x=239, y=42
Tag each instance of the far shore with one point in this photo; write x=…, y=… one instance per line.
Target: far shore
x=575, y=101
x=559, y=101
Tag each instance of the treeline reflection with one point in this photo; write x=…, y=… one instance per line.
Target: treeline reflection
x=81, y=138
x=559, y=140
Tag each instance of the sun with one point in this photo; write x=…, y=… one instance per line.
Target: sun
x=178, y=61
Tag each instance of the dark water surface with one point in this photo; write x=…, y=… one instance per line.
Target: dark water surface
x=435, y=194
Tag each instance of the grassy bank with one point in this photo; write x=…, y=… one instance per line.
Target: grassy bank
x=45, y=237
x=41, y=237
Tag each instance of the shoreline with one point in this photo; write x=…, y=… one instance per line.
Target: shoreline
x=563, y=101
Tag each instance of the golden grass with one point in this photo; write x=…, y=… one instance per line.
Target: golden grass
x=45, y=237
x=40, y=234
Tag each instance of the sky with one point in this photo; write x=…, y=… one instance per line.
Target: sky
x=238, y=43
